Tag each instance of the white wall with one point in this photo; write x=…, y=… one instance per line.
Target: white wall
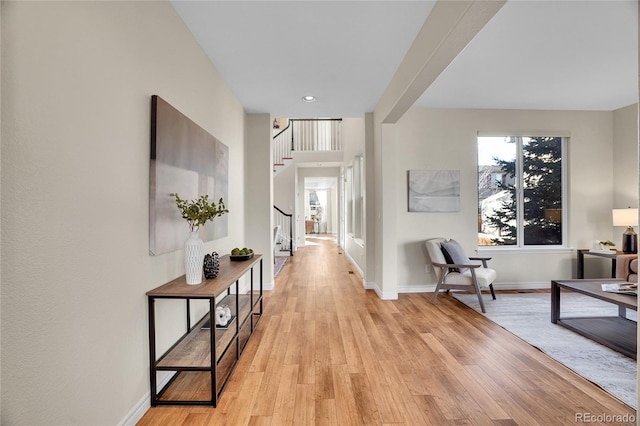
x=353, y=133
x=284, y=189
x=625, y=158
x=446, y=139
x=77, y=79
x=259, y=192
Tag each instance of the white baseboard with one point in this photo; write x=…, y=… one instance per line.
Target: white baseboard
x=139, y=410
x=389, y=295
x=522, y=286
x=417, y=289
x=353, y=262
x=136, y=412
x=497, y=286
x=369, y=285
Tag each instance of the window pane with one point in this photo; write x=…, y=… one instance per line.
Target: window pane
x=496, y=191
x=542, y=183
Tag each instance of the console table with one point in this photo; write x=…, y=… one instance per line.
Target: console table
x=610, y=255
x=615, y=332
x=205, y=353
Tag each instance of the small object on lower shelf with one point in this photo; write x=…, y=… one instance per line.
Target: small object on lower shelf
x=240, y=257
x=207, y=324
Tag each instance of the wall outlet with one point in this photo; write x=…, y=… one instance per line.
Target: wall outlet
x=427, y=268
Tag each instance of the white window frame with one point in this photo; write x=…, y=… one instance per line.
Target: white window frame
x=520, y=247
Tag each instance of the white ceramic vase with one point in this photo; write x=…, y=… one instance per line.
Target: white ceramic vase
x=193, y=258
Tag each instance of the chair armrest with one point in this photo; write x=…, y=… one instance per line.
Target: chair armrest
x=455, y=265
x=482, y=258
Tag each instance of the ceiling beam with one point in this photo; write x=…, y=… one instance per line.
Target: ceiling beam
x=450, y=26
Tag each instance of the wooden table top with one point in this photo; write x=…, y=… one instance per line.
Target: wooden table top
x=592, y=287
x=230, y=272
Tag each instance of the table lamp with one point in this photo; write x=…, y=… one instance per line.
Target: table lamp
x=629, y=218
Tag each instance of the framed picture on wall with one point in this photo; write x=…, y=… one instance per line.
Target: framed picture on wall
x=187, y=160
x=434, y=190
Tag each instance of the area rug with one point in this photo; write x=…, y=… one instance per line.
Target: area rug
x=528, y=316
x=280, y=261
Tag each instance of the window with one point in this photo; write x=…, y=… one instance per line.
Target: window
x=521, y=189
x=355, y=197
x=357, y=194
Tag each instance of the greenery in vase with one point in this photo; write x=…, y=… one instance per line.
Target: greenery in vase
x=608, y=243
x=199, y=211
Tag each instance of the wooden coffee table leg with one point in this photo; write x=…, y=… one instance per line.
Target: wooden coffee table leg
x=555, y=302
x=622, y=311
x=580, y=264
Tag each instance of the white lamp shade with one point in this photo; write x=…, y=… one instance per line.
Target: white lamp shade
x=625, y=217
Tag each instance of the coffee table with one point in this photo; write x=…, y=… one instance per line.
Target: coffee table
x=615, y=332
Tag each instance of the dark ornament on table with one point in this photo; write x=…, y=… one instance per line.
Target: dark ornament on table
x=211, y=265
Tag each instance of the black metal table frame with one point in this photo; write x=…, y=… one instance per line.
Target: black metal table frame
x=615, y=332
x=580, y=261
x=156, y=394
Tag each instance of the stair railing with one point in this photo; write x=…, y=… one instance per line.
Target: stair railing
x=307, y=134
x=316, y=134
x=285, y=236
x=282, y=145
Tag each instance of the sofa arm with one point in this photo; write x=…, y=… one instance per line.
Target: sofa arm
x=623, y=262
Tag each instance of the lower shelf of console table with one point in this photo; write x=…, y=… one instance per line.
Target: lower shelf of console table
x=190, y=377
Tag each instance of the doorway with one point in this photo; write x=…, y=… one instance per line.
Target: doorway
x=321, y=203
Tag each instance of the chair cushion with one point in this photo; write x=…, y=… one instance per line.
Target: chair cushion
x=434, y=251
x=455, y=251
x=484, y=276
x=627, y=267
x=633, y=271
x=449, y=259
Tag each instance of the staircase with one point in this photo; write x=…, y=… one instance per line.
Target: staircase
x=282, y=236
x=319, y=135
x=305, y=135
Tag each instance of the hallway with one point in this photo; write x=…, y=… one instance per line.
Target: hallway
x=328, y=352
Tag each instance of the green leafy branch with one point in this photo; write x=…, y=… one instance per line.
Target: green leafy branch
x=199, y=211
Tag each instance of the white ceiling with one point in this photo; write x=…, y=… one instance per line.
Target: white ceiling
x=533, y=54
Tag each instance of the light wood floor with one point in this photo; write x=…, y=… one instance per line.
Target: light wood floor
x=328, y=352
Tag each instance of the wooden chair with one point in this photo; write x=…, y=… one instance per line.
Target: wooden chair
x=458, y=271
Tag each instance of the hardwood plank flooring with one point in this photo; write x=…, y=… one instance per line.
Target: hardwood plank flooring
x=328, y=352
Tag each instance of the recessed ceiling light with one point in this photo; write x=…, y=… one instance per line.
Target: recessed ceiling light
x=309, y=98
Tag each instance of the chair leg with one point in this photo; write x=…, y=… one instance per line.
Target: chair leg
x=493, y=293
x=437, y=290
x=478, y=292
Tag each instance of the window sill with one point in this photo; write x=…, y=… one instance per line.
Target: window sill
x=523, y=250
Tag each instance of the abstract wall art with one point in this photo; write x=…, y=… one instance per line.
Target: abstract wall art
x=187, y=160
x=434, y=190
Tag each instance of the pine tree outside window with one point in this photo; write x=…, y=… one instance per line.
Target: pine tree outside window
x=521, y=189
